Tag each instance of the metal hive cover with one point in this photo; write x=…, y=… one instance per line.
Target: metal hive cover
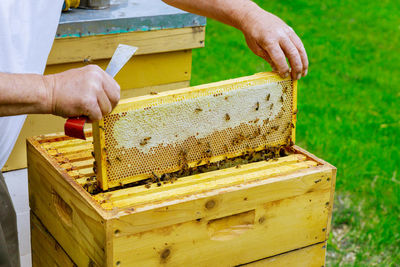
x=163, y=133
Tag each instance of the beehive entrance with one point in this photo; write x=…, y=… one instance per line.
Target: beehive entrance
x=190, y=127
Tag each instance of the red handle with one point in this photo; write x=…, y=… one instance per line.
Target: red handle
x=73, y=127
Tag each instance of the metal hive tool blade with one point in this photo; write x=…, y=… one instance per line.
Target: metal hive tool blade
x=157, y=134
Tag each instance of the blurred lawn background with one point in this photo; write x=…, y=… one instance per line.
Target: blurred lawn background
x=349, y=111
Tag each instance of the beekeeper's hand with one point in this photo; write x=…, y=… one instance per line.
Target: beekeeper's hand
x=88, y=91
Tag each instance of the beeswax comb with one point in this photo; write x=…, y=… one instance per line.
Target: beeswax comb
x=161, y=133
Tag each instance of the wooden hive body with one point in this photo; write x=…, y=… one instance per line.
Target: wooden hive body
x=268, y=212
x=243, y=208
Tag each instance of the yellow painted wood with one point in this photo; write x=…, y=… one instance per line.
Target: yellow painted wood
x=218, y=217
x=101, y=174
x=231, y=200
x=81, y=155
x=263, y=230
x=103, y=46
x=294, y=117
x=47, y=252
x=66, y=210
x=333, y=177
x=78, y=165
x=70, y=150
x=194, y=180
x=195, y=91
x=109, y=200
x=312, y=256
x=143, y=71
x=45, y=249
x=81, y=181
x=154, y=88
x=67, y=143
x=87, y=172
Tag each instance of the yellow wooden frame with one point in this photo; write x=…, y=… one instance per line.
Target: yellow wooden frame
x=173, y=96
x=66, y=50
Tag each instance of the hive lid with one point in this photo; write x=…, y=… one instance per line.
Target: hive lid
x=166, y=132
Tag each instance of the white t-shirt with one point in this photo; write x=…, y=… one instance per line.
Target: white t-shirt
x=27, y=30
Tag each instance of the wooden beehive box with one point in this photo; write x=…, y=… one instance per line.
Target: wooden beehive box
x=250, y=214
x=262, y=201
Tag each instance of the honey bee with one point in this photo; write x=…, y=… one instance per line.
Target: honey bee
x=257, y=106
x=272, y=105
x=153, y=93
x=208, y=153
x=87, y=60
x=268, y=97
x=155, y=177
x=227, y=117
x=145, y=141
x=281, y=99
x=239, y=138
x=198, y=110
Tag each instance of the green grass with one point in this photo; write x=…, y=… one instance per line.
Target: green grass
x=349, y=112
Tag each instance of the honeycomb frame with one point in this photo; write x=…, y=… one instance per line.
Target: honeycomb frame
x=148, y=136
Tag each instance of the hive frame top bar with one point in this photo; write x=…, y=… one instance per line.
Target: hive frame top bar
x=115, y=136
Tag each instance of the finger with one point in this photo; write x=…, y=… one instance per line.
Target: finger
x=112, y=89
x=278, y=58
x=94, y=113
x=300, y=47
x=293, y=55
x=104, y=102
x=263, y=54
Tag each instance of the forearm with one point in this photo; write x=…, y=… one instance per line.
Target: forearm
x=231, y=12
x=23, y=94
x=267, y=35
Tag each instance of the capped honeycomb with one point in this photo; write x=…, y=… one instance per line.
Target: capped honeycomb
x=162, y=133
